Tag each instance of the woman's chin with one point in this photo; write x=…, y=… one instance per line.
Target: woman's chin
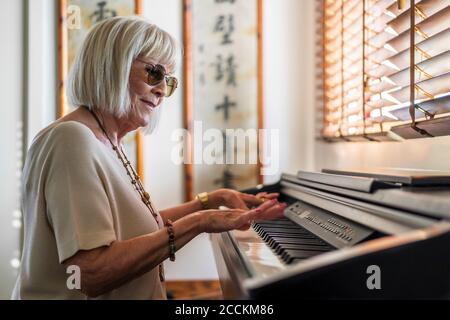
x=141, y=118
x=143, y=122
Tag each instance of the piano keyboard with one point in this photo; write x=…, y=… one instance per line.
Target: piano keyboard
x=289, y=241
x=305, y=232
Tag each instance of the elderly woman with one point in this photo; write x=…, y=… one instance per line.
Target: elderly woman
x=84, y=204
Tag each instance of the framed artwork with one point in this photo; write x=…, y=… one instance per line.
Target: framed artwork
x=76, y=17
x=223, y=79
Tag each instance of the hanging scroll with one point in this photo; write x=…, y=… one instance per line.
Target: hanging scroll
x=76, y=18
x=223, y=108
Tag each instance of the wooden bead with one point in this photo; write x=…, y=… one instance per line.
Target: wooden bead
x=161, y=273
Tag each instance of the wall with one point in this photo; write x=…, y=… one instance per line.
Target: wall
x=10, y=138
x=163, y=178
x=417, y=154
x=288, y=81
x=41, y=65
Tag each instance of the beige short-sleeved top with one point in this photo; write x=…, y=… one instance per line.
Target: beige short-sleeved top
x=76, y=195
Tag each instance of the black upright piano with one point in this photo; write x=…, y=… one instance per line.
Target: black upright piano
x=343, y=237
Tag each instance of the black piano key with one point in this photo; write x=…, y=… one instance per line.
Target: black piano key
x=278, y=240
x=291, y=242
x=267, y=236
x=292, y=239
x=281, y=248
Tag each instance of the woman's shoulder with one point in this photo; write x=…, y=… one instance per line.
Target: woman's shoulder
x=66, y=134
x=66, y=130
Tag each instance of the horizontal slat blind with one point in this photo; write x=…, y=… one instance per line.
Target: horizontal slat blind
x=379, y=65
x=320, y=68
x=367, y=65
x=332, y=59
x=432, y=64
x=343, y=73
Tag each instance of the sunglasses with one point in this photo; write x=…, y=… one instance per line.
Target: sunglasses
x=156, y=74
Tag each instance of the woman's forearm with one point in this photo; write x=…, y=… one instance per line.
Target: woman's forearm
x=181, y=211
x=104, y=269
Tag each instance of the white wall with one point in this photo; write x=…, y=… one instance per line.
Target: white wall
x=42, y=65
x=288, y=84
x=10, y=139
x=418, y=154
x=164, y=179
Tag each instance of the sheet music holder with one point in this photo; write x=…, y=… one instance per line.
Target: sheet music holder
x=363, y=184
x=404, y=176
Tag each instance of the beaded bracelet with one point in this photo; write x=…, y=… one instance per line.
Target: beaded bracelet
x=172, y=248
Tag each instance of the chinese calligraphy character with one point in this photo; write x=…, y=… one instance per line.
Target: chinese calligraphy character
x=225, y=142
x=226, y=105
x=226, y=27
x=229, y=147
x=230, y=69
x=202, y=77
x=102, y=13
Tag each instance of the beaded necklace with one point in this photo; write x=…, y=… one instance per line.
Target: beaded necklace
x=135, y=180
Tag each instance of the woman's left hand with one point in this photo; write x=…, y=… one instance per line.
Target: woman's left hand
x=237, y=200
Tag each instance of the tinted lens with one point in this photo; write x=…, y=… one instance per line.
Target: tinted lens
x=155, y=74
x=171, y=85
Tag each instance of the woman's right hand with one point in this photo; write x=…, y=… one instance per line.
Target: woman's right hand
x=215, y=221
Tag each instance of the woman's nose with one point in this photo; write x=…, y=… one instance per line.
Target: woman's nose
x=160, y=89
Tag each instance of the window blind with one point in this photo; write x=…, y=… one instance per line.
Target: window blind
x=386, y=68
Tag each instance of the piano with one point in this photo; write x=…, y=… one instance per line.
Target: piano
x=342, y=237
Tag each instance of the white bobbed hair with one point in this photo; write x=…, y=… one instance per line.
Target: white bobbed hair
x=99, y=78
